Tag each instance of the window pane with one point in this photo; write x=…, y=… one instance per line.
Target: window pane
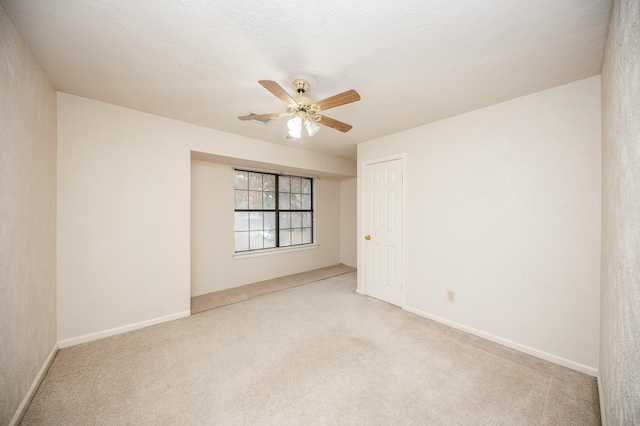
x=285, y=220
x=241, y=221
x=255, y=181
x=296, y=220
x=269, y=183
x=269, y=220
x=295, y=185
x=306, y=219
x=242, y=241
x=269, y=238
x=255, y=240
x=307, y=238
x=306, y=202
x=241, y=180
x=285, y=238
x=269, y=200
x=284, y=184
x=296, y=237
x=306, y=186
x=255, y=221
x=241, y=199
x=255, y=200
x=296, y=202
x=284, y=201
x=258, y=229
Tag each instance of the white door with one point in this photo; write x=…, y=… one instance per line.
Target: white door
x=383, y=277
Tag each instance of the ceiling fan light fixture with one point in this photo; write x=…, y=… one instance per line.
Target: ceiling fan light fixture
x=295, y=127
x=303, y=110
x=311, y=126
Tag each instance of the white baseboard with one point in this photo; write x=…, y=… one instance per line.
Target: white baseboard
x=118, y=330
x=360, y=292
x=34, y=387
x=513, y=345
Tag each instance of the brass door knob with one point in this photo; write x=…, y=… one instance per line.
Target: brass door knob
x=368, y=237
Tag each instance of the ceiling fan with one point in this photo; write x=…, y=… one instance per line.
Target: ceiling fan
x=303, y=110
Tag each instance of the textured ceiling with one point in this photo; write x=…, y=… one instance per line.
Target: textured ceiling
x=413, y=62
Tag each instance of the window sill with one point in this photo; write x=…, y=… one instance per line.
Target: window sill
x=267, y=252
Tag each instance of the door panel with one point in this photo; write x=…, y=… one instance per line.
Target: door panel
x=383, y=202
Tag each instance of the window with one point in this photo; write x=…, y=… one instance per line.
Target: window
x=272, y=210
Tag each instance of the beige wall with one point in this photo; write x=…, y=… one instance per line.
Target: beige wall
x=124, y=217
x=27, y=220
x=620, y=315
x=348, y=221
x=213, y=266
x=503, y=207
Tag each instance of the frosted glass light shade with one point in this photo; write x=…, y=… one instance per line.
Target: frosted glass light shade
x=312, y=127
x=295, y=127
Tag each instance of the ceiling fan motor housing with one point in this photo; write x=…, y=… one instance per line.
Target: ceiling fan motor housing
x=304, y=108
x=303, y=100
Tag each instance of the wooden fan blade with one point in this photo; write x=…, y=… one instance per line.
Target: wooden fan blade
x=339, y=99
x=259, y=116
x=335, y=124
x=278, y=91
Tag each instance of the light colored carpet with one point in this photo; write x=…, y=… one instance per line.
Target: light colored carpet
x=313, y=354
x=239, y=294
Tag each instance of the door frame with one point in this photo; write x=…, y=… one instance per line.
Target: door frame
x=361, y=285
